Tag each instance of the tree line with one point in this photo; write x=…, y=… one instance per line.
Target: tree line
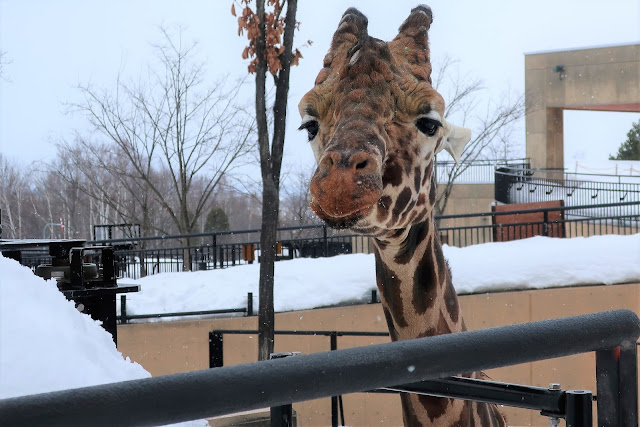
x=168, y=152
x=35, y=201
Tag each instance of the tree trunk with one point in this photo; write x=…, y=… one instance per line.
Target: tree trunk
x=268, y=242
x=270, y=166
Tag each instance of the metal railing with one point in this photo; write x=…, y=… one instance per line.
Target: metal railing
x=125, y=317
x=208, y=251
x=216, y=352
x=615, y=218
x=274, y=383
x=475, y=172
x=227, y=249
x=515, y=185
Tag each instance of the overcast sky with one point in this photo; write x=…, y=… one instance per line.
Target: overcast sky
x=52, y=46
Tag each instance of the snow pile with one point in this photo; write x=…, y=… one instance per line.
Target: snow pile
x=299, y=284
x=48, y=345
x=543, y=262
x=305, y=283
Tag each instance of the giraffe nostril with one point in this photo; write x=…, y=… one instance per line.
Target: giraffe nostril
x=363, y=164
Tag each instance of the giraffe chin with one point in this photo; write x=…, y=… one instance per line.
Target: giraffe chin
x=352, y=221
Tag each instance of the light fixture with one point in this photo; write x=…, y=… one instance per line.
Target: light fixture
x=561, y=71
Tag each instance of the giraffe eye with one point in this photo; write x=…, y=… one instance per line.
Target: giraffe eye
x=428, y=126
x=312, y=127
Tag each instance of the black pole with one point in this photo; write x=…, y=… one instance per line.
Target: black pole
x=579, y=408
x=214, y=246
x=215, y=349
x=250, y=304
x=616, y=378
x=123, y=309
x=628, y=383
x=545, y=225
x=108, y=266
x=333, y=338
x=326, y=241
x=281, y=416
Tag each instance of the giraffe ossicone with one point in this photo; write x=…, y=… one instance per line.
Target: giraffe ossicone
x=375, y=125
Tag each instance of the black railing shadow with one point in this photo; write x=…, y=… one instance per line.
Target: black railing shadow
x=274, y=383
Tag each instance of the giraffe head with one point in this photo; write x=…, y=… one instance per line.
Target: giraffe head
x=375, y=123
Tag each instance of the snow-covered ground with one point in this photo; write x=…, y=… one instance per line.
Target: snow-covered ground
x=41, y=332
x=306, y=283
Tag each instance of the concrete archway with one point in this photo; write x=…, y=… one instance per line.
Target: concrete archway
x=596, y=79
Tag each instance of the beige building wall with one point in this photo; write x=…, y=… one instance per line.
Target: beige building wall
x=180, y=346
x=601, y=79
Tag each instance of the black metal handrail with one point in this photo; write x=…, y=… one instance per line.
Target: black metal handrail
x=124, y=317
x=214, y=392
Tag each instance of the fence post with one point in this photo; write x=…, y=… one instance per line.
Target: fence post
x=215, y=250
x=123, y=309
x=616, y=381
x=579, y=411
x=628, y=379
x=326, y=242
x=281, y=416
x=250, y=304
x=374, y=296
x=215, y=349
x=335, y=400
x=545, y=225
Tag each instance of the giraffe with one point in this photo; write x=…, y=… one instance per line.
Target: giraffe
x=375, y=124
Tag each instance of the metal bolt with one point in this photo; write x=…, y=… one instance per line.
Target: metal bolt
x=554, y=421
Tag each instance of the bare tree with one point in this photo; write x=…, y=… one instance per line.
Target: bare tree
x=270, y=38
x=4, y=61
x=295, y=200
x=491, y=128
x=169, y=123
x=13, y=188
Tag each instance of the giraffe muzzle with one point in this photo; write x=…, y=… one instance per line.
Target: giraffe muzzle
x=345, y=185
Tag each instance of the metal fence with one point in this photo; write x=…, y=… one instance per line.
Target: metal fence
x=276, y=383
x=216, y=353
x=517, y=185
x=615, y=218
x=475, y=172
x=206, y=251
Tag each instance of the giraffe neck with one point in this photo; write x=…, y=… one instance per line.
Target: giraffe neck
x=418, y=300
x=415, y=285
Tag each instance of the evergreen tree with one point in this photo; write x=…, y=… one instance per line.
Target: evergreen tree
x=630, y=149
x=217, y=220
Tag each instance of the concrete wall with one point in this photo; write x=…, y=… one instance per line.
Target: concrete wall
x=171, y=347
x=601, y=79
x=468, y=198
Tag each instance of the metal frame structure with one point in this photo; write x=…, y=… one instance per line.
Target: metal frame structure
x=274, y=383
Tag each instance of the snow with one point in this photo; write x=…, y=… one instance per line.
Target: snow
x=544, y=262
x=46, y=344
x=306, y=283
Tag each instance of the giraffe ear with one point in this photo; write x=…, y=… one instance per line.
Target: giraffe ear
x=456, y=138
